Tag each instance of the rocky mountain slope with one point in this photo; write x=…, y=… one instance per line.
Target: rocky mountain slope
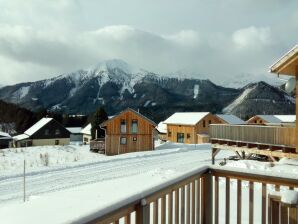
x=116, y=85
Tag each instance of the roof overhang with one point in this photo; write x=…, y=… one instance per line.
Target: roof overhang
x=287, y=64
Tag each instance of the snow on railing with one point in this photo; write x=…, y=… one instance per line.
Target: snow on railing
x=203, y=196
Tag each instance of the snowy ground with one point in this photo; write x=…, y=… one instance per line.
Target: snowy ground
x=75, y=183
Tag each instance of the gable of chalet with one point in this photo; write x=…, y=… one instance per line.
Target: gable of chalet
x=104, y=124
x=38, y=130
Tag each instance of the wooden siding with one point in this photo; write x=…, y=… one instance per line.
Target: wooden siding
x=192, y=130
x=296, y=109
x=144, y=136
x=271, y=135
x=256, y=120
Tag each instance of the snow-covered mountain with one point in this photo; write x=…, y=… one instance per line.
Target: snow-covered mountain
x=261, y=98
x=116, y=85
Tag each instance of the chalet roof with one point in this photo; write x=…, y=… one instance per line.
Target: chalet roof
x=74, y=130
x=287, y=63
x=186, y=118
x=277, y=119
x=37, y=126
x=20, y=137
x=230, y=119
x=4, y=134
x=131, y=110
x=87, y=130
x=161, y=127
x=286, y=118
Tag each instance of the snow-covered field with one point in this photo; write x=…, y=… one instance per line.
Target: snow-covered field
x=72, y=182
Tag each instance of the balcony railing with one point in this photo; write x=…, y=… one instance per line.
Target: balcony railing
x=194, y=198
x=268, y=135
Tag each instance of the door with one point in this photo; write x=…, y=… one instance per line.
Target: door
x=180, y=137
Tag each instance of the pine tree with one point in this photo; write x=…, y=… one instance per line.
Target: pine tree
x=99, y=117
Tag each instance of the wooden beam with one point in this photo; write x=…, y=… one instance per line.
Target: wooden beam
x=257, y=151
x=214, y=153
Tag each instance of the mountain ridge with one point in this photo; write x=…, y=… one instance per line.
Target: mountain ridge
x=115, y=85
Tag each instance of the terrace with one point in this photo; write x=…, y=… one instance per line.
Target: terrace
x=195, y=198
x=246, y=140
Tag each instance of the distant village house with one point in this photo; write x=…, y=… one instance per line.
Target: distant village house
x=190, y=127
x=46, y=131
x=86, y=132
x=286, y=120
x=75, y=134
x=5, y=138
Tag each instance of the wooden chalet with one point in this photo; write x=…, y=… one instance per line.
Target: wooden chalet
x=86, y=132
x=46, y=131
x=190, y=127
x=5, y=139
x=272, y=120
x=129, y=131
x=273, y=141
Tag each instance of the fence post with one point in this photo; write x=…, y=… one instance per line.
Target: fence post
x=24, y=181
x=143, y=212
x=207, y=196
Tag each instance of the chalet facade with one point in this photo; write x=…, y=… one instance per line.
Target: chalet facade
x=46, y=131
x=86, y=132
x=5, y=139
x=272, y=120
x=190, y=127
x=127, y=132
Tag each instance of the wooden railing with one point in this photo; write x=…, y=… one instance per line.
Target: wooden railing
x=98, y=145
x=271, y=135
x=194, y=198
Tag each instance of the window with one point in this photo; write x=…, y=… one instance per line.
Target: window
x=204, y=123
x=123, y=140
x=46, y=132
x=180, y=137
x=169, y=134
x=123, y=126
x=134, y=139
x=210, y=121
x=86, y=140
x=57, y=132
x=187, y=135
x=56, y=142
x=134, y=126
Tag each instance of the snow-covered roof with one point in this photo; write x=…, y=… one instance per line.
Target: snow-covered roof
x=286, y=118
x=269, y=118
x=4, y=134
x=287, y=63
x=277, y=119
x=186, y=118
x=42, y=122
x=230, y=119
x=20, y=137
x=161, y=127
x=74, y=130
x=87, y=130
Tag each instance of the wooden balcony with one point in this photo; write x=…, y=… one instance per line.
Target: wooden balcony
x=195, y=198
x=272, y=141
x=98, y=145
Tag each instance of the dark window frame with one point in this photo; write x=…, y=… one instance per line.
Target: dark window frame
x=123, y=143
x=132, y=125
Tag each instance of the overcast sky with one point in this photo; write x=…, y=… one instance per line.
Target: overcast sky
x=218, y=38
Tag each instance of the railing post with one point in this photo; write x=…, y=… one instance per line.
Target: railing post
x=207, y=195
x=143, y=213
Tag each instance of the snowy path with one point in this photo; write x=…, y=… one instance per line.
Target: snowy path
x=65, y=178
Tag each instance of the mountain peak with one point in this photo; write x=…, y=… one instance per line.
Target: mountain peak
x=112, y=64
